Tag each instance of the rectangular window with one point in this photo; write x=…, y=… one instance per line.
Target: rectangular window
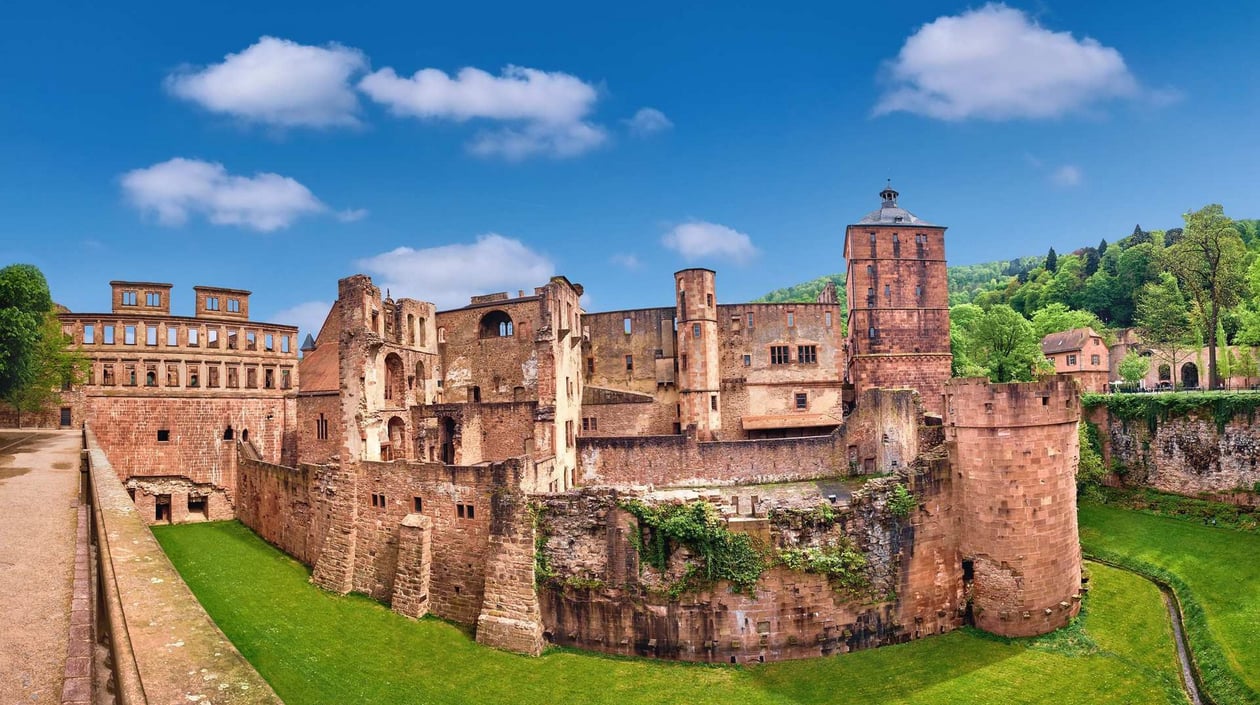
x=778, y=354
x=827, y=318
x=164, y=435
x=750, y=320
x=285, y=381
x=807, y=354
x=321, y=428
x=284, y=343
x=152, y=298
x=887, y=290
x=150, y=335
x=713, y=402
x=194, y=336
x=109, y=335
x=233, y=378
x=465, y=511
x=748, y=361
x=1094, y=360
x=251, y=341
x=590, y=366
x=194, y=379
x=627, y=325
x=1071, y=360
x=129, y=335
x=417, y=504
x=871, y=332
x=590, y=423
x=269, y=379
x=918, y=291
x=129, y=298
x=172, y=375
x=172, y=336
x=695, y=330
x=269, y=342
x=212, y=303
x=234, y=306
x=872, y=238
x=802, y=400
x=251, y=378
x=629, y=363
x=89, y=335
x=107, y=375
x=568, y=433
x=212, y=338
x=683, y=359
x=791, y=319
x=231, y=340
x=212, y=377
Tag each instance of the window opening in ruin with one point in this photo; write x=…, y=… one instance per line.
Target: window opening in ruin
x=807, y=354
x=394, y=379
x=474, y=394
x=802, y=400
x=568, y=433
x=131, y=375
x=251, y=378
x=695, y=330
x=193, y=378
x=65, y=417
x=870, y=332
x=496, y=324
x=713, y=402
x=163, y=435
x=197, y=505
x=683, y=361
x=269, y=379
x=677, y=428
x=234, y=305
x=791, y=319
x=245, y=435
x=590, y=366
x=269, y=342
x=750, y=320
x=152, y=298
x=233, y=378
x=129, y=298
x=870, y=270
x=108, y=337
x=251, y=341
x=150, y=379
x=827, y=318
x=417, y=504
x=231, y=340
x=321, y=428
x=442, y=334
x=872, y=238
x=629, y=363
x=150, y=335
x=212, y=303
x=107, y=375
x=627, y=325
x=284, y=343
x=459, y=510
x=779, y=354
x=172, y=336
x=682, y=302
x=228, y=434
x=212, y=338
x=870, y=296
x=129, y=335
x=89, y=335
x=1045, y=401
x=162, y=508
x=172, y=376
x=747, y=360
x=918, y=291
x=285, y=379
x=887, y=290
x=212, y=377
x=448, y=440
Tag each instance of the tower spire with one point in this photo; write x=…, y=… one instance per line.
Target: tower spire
x=889, y=196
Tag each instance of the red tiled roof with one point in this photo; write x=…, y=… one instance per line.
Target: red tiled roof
x=317, y=372
x=1067, y=341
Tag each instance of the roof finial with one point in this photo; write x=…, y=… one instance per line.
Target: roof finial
x=889, y=196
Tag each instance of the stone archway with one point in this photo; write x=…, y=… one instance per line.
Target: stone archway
x=1189, y=375
x=396, y=432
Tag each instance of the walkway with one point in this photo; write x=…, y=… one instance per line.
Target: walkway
x=39, y=482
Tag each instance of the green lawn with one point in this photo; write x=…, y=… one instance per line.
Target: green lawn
x=319, y=648
x=1216, y=572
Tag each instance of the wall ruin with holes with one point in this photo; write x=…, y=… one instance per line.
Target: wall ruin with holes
x=1187, y=454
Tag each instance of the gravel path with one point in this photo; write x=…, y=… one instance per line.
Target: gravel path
x=39, y=479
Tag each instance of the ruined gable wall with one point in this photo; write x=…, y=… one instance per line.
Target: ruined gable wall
x=286, y=506
x=310, y=409
x=470, y=360
x=651, y=330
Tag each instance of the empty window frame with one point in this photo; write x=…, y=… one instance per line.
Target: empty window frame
x=286, y=379
x=779, y=354
x=234, y=305
x=713, y=403
x=269, y=379
x=107, y=335
x=802, y=400
x=627, y=325
x=251, y=378
x=129, y=298
x=233, y=378
x=212, y=377
x=212, y=338
x=465, y=511
x=321, y=428
x=807, y=354
x=194, y=337
x=284, y=343
x=172, y=336
x=172, y=375
x=629, y=363
x=747, y=360
x=269, y=342
x=791, y=319
x=129, y=335
x=89, y=334
x=212, y=303
x=417, y=505
x=150, y=335
x=871, y=332
x=251, y=340
x=152, y=298
x=194, y=377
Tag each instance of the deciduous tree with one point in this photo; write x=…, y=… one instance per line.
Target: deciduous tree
x=1209, y=261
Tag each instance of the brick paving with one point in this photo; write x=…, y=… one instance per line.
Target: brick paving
x=39, y=480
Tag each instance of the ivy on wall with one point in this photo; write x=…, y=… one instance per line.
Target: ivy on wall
x=1153, y=408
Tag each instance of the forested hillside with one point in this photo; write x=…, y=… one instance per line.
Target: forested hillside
x=1181, y=287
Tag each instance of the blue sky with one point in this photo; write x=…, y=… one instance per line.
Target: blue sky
x=280, y=146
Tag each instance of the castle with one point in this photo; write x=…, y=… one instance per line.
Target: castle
x=485, y=464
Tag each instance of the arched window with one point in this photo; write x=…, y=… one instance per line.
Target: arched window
x=411, y=329
x=394, y=378
x=1165, y=373
x=420, y=337
x=496, y=324
x=228, y=434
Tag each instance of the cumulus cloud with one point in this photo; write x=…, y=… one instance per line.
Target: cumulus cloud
x=647, y=121
x=307, y=316
x=278, y=82
x=178, y=188
x=997, y=63
x=351, y=215
x=1067, y=175
x=549, y=110
x=449, y=274
x=699, y=239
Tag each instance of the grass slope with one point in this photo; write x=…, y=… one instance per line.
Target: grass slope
x=314, y=647
x=1220, y=569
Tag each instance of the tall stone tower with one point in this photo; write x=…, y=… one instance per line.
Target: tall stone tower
x=1015, y=449
x=699, y=381
x=898, y=303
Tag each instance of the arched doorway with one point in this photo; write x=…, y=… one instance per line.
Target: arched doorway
x=395, y=380
x=397, y=445
x=1190, y=376
x=448, y=440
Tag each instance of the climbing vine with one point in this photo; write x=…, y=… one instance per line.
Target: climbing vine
x=1154, y=408
x=843, y=564
x=542, y=567
x=723, y=554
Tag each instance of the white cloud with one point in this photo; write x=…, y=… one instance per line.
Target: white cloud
x=626, y=259
x=307, y=316
x=647, y=121
x=278, y=82
x=1067, y=175
x=351, y=215
x=997, y=63
x=448, y=275
x=175, y=189
x=700, y=239
x=549, y=109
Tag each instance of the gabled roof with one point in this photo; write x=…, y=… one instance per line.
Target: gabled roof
x=1067, y=341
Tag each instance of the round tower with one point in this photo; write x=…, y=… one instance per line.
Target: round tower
x=699, y=383
x=1014, y=452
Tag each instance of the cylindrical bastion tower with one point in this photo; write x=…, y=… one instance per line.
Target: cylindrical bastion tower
x=1014, y=453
